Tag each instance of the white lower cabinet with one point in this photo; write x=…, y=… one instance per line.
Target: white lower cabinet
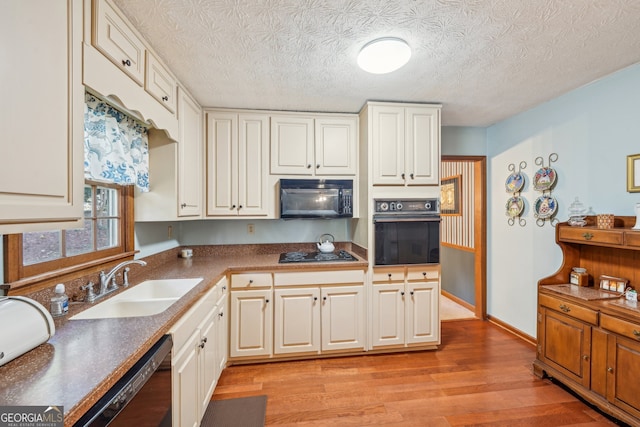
x=405, y=306
x=297, y=320
x=198, y=345
x=343, y=318
x=251, y=323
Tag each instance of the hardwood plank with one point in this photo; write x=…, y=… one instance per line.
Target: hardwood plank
x=480, y=376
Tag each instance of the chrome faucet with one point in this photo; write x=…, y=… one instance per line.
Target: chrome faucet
x=108, y=280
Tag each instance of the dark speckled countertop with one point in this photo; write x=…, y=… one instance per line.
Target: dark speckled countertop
x=86, y=357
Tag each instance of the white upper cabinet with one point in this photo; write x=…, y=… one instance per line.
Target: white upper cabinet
x=405, y=141
x=41, y=156
x=237, y=164
x=115, y=39
x=314, y=145
x=160, y=83
x=190, y=161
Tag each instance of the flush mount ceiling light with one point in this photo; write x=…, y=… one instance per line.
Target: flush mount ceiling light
x=384, y=55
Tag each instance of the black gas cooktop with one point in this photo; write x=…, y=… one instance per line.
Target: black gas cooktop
x=316, y=256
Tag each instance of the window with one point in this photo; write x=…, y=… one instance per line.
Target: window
x=108, y=211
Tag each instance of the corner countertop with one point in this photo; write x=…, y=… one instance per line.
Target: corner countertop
x=86, y=357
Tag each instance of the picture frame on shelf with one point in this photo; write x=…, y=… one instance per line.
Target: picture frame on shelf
x=451, y=195
x=633, y=173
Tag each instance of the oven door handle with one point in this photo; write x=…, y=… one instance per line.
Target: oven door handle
x=407, y=219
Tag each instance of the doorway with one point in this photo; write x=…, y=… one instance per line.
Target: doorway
x=464, y=231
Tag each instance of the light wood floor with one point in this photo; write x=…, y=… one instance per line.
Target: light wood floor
x=480, y=376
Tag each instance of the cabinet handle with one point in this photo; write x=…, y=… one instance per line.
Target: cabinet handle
x=636, y=334
x=565, y=308
x=309, y=166
x=224, y=288
x=221, y=314
x=184, y=205
x=587, y=236
x=126, y=63
x=411, y=175
x=165, y=98
x=610, y=370
x=403, y=175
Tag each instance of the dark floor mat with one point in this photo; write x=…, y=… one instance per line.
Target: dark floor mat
x=240, y=412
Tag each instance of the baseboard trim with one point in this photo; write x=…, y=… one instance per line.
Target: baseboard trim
x=459, y=301
x=517, y=332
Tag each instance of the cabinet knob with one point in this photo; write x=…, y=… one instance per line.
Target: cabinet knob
x=315, y=298
x=233, y=206
x=324, y=298
x=411, y=176
x=587, y=236
x=389, y=275
x=266, y=301
x=636, y=334
x=402, y=293
x=565, y=308
x=585, y=357
x=403, y=175
x=239, y=207
x=411, y=293
x=126, y=63
x=224, y=288
x=424, y=273
x=318, y=166
x=309, y=166
x=250, y=281
x=165, y=98
x=221, y=314
x=610, y=370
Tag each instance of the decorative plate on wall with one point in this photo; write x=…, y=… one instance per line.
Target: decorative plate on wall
x=544, y=179
x=514, y=182
x=514, y=206
x=545, y=207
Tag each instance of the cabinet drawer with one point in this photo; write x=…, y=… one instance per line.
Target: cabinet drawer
x=117, y=41
x=632, y=238
x=388, y=275
x=621, y=327
x=319, y=277
x=568, y=308
x=422, y=273
x=160, y=84
x=591, y=235
x=251, y=280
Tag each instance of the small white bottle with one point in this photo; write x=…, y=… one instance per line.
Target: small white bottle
x=59, y=302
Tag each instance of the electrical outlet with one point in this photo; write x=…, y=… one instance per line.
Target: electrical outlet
x=170, y=232
x=250, y=228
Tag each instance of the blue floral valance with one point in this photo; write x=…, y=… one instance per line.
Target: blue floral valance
x=116, y=146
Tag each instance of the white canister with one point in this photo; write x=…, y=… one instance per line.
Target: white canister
x=186, y=253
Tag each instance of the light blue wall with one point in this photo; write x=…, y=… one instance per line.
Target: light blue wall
x=463, y=141
x=592, y=129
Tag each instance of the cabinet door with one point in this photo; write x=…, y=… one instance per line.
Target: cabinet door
x=422, y=316
x=113, y=37
x=566, y=345
x=185, y=397
x=297, y=320
x=251, y=323
x=336, y=146
x=342, y=318
x=388, y=314
x=292, y=145
x=253, y=164
x=422, y=146
x=41, y=156
x=388, y=139
x=159, y=83
x=222, y=334
x=623, y=360
x=207, y=359
x=222, y=163
x=189, y=156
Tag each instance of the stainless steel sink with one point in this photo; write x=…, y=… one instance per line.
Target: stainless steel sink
x=146, y=299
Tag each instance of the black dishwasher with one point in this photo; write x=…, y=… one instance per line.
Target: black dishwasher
x=142, y=397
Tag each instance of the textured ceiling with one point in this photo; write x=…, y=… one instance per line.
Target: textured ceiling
x=484, y=60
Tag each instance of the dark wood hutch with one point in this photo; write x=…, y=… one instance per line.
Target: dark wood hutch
x=589, y=339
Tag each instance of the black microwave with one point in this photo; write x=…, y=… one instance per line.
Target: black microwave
x=316, y=198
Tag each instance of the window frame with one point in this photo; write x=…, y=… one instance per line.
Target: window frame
x=18, y=274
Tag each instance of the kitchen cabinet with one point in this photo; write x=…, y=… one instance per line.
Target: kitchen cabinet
x=589, y=340
x=405, y=307
x=195, y=364
x=314, y=145
x=405, y=143
x=237, y=164
x=175, y=169
x=251, y=329
x=41, y=161
x=120, y=67
x=319, y=311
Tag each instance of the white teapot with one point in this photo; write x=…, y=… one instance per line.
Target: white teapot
x=326, y=243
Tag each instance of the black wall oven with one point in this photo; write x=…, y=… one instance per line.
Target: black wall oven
x=406, y=231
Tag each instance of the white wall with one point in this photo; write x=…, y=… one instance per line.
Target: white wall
x=592, y=129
